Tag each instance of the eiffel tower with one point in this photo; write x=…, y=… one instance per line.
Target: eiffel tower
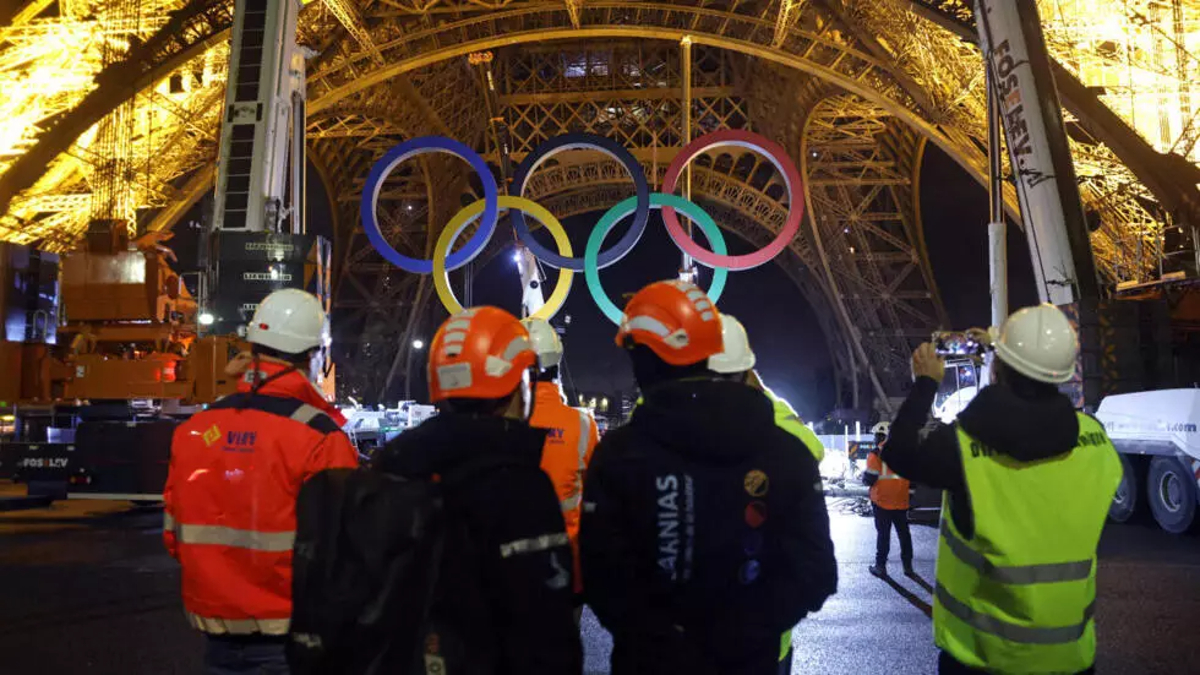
x=854, y=90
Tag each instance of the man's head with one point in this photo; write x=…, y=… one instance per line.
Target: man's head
x=480, y=362
x=736, y=361
x=1036, y=350
x=670, y=329
x=289, y=325
x=547, y=345
x=881, y=431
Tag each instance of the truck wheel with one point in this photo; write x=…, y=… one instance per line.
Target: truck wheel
x=1125, y=501
x=1171, y=490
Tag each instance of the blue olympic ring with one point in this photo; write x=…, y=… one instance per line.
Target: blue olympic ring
x=413, y=148
x=577, y=141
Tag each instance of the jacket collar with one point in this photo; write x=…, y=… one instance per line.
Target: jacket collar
x=548, y=393
x=287, y=381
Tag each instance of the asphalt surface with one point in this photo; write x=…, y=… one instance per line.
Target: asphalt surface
x=85, y=587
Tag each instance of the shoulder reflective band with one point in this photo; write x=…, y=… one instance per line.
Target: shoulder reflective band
x=609, y=220
x=533, y=544
x=576, y=141
x=218, y=535
x=441, y=280
x=413, y=148
x=1016, y=574
x=1011, y=631
x=785, y=166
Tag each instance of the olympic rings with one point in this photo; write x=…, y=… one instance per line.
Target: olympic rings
x=785, y=166
x=614, y=215
x=407, y=150
x=441, y=280
x=577, y=141
x=488, y=211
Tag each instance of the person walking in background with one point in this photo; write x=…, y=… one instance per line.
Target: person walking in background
x=230, y=512
x=704, y=533
x=504, y=598
x=889, y=502
x=572, y=433
x=1028, y=483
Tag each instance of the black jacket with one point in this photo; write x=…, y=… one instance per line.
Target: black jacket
x=1023, y=429
x=505, y=588
x=704, y=533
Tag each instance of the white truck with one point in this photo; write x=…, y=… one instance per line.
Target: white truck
x=1157, y=434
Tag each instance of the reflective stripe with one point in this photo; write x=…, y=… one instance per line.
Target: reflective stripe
x=216, y=626
x=168, y=522
x=873, y=472
x=228, y=536
x=890, y=476
x=572, y=503
x=646, y=323
x=1010, y=631
x=1016, y=574
x=306, y=413
x=533, y=544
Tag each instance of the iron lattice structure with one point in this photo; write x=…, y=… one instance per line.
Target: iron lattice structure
x=855, y=90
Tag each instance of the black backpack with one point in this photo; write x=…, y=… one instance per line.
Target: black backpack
x=365, y=569
x=368, y=547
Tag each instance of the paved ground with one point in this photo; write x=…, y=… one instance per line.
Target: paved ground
x=86, y=588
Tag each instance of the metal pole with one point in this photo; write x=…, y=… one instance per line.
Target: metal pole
x=997, y=240
x=299, y=166
x=686, y=57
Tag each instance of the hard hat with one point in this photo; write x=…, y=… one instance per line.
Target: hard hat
x=737, y=356
x=545, y=341
x=675, y=319
x=290, y=321
x=881, y=428
x=482, y=352
x=1039, y=343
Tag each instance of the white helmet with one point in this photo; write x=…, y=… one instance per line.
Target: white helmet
x=290, y=321
x=737, y=356
x=545, y=340
x=881, y=428
x=1039, y=343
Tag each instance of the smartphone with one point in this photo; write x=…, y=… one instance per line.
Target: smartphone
x=953, y=343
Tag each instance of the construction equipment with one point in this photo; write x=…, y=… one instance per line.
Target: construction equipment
x=1158, y=436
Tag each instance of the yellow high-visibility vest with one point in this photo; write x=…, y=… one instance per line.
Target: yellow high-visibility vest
x=1018, y=596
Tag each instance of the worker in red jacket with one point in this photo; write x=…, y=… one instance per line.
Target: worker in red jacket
x=231, y=492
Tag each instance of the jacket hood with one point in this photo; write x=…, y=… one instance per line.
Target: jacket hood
x=714, y=419
x=445, y=441
x=288, y=382
x=1024, y=429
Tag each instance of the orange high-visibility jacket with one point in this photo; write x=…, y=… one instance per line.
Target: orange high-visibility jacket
x=568, y=450
x=230, y=517
x=890, y=490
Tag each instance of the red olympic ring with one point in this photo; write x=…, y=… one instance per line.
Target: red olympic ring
x=785, y=166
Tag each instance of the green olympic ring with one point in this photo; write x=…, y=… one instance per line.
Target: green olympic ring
x=591, y=253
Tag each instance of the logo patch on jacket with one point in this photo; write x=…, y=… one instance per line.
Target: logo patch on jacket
x=212, y=435
x=756, y=483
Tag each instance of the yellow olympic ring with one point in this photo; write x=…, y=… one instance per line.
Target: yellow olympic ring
x=441, y=279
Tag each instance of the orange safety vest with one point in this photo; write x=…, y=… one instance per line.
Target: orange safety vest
x=566, y=455
x=890, y=491
x=230, y=499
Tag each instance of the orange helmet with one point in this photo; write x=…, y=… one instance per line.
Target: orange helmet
x=676, y=320
x=482, y=352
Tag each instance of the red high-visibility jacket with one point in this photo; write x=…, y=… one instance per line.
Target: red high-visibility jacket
x=230, y=518
x=565, y=457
